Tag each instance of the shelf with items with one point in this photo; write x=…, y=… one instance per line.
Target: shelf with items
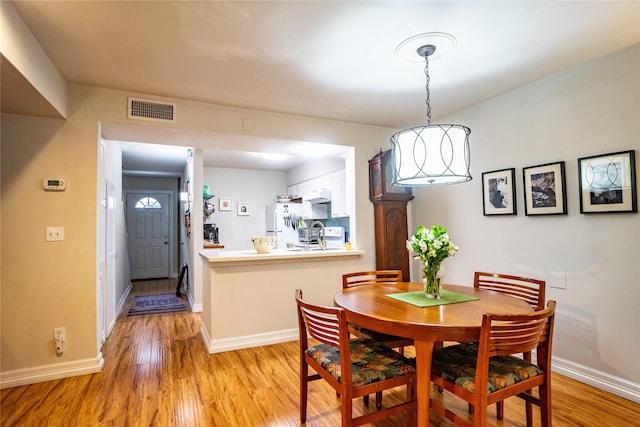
x=207, y=208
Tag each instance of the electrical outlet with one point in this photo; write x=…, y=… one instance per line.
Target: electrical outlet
x=54, y=234
x=59, y=334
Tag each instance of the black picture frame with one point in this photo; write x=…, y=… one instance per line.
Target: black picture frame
x=545, y=189
x=607, y=183
x=499, y=192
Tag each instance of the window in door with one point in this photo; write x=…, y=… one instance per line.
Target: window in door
x=148, y=203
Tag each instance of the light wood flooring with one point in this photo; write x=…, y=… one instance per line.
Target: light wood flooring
x=158, y=373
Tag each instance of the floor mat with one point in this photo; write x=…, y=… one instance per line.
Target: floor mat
x=152, y=304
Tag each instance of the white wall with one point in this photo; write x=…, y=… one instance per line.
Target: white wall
x=592, y=109
x=258, y=188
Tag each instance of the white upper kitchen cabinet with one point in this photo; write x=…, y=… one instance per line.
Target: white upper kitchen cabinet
x=295, y=190
x=339, y=205
x=316, y=186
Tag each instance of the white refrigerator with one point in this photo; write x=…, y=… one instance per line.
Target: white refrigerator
x=283, y=221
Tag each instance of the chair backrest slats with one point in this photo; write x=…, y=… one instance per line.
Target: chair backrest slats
x=328, y=325
x=527, y=289
x=371, y=277
x=325, y=324
x=511, y=334
x=322, y=327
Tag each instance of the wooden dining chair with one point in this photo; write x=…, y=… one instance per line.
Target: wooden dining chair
x=486, y=372
x=353, y=367
x=372, y=278
x=532, y=291
x=375, y=277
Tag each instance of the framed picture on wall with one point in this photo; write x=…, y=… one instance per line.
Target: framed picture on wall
x=243, y=209
x=545, y=189
x=608, y=183
x=499, y=192
x=224, y=204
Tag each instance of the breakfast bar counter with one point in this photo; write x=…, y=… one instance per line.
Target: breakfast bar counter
x=248, y=298
x=219, y=258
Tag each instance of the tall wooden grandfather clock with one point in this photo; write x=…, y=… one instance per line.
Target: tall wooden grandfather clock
x=390, y=215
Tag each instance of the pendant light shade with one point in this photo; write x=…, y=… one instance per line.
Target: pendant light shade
x=432, y=154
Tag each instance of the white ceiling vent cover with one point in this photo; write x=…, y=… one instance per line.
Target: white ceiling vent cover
x=145, y=109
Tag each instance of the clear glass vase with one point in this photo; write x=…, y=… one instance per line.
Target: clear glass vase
x=432, y=281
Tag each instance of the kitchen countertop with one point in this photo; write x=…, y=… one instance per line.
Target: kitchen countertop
x=221, y=258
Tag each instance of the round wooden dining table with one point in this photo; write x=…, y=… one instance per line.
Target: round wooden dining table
x=370, y=306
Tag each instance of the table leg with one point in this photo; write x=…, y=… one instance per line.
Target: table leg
x=424, y=352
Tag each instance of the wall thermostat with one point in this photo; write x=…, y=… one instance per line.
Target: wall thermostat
x=54, y=184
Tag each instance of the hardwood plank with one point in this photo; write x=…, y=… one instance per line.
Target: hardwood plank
x=158, y=373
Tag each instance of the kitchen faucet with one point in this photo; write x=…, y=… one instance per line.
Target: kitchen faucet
x=321, y=239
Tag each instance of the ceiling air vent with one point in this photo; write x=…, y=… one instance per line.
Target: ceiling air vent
x=151, y=110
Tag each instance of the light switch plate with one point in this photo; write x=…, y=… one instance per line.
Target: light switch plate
x=558, y=280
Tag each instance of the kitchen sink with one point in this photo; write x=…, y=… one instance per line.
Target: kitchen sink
x=313, y=248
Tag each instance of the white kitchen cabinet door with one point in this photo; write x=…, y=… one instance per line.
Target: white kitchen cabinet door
x=317, y=185
x=295, y=190
x=339, y=207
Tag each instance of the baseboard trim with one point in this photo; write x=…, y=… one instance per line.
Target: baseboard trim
x=124, y=297
x=600, y=380
x=196, y=308
x=248, y=341
x=56, y=371
x=120, y=307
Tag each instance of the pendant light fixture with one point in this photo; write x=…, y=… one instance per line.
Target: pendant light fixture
x=434, y=154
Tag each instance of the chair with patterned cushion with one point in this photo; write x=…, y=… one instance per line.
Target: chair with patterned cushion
x=361, y=278
x=353, y=367
x=484, y=373
x=532, y=291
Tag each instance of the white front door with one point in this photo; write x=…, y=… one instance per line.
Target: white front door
x=148, y=230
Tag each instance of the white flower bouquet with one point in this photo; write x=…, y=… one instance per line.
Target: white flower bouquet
x=431, y=246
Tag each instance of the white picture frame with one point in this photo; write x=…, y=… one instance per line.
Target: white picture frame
x=244, y=209
x=224, y=204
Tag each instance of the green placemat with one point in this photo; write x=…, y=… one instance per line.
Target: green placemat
x=418, y=298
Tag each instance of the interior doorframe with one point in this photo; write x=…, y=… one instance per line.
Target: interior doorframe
x=109, y=167
x=110, y=256
x=101, y=204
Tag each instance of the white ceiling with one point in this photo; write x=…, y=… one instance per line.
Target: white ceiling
x=330, y=59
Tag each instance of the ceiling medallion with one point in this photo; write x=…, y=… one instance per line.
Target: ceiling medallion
x=407, y=49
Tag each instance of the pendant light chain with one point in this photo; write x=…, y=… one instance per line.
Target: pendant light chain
x=426, y=73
